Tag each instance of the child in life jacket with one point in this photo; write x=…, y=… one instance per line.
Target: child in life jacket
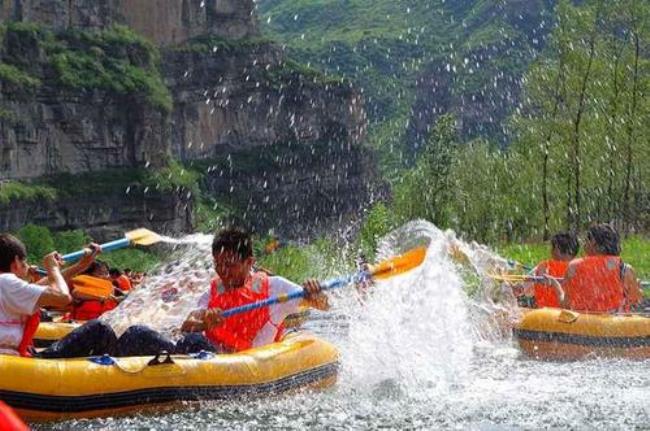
x=235, y=284
x=564, y=248
x=599, y=282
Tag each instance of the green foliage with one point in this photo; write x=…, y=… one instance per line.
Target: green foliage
x=210, y=215
x=17, y=77
x=321, y=259
x=17, y=191
x=139, y=260
x=214, y=44
x=425, y=191
x=114, y=59
x=172, y=177
x=38, y=241
x=69, y=241
x=378, y=222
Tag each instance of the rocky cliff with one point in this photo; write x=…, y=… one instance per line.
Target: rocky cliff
x=196, y=84
x=165, y=22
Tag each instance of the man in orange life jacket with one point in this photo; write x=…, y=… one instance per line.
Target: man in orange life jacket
x=600, y=281
x=236, y=284
x=20, y=302
x=564, y=248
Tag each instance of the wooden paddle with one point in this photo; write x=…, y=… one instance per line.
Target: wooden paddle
x=140, y=236
x=386, y=269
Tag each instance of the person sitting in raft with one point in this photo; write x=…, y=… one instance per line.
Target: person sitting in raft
x=20, y=302
x=121, y=281
x=234, y=285
x=600, y=281
x=89, y=306
x=564, y=248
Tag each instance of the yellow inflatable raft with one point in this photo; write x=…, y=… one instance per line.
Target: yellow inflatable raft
x=49, y=332
x=554, y=334
x=42, y=389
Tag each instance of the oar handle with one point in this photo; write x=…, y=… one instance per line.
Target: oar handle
x=77, y=255
x=333, y=283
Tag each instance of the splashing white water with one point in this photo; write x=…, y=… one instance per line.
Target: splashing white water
x=412, y=330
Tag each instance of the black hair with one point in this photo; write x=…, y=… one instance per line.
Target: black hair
x=566, y=243
x=95, y=266
x=607, y=240
x=233, y=239
x=10, y=248
x=114, y=272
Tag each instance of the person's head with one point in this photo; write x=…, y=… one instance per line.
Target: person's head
x=98, y=269
x=13, y=255
x=114, y=272
x=564, y=246
x=128, y=271
x=603, y=239
x=232, y=251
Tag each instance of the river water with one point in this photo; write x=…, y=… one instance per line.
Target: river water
x=416, y=353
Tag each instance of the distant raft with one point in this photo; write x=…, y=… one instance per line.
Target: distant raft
x=49, y=389
x=554, y=334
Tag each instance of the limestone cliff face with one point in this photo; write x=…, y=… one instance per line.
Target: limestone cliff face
x=76, y=102
x=166, y=22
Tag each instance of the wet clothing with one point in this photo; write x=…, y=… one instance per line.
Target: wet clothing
x=93, y=338
x=140, y=340
x=239, y=332
x=595, y=283
x=545, y=295
x=272, y=328
x=18, y=301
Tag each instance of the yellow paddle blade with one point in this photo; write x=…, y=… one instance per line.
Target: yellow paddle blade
x=143, y=236
x=399, y=264
x=92, y=287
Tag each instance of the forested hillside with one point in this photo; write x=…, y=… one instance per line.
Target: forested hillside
x=545, y=107
x=419, y=59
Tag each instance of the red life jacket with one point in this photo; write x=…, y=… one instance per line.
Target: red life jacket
x=123, y=283
x=238, y=332
x=596, y=285
x=31, y=326
x=9, y=421
x=545, y=295
x=92, y=309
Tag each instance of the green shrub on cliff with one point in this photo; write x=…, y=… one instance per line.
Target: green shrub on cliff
x=17, y=191
x=114, y=60
x=15, y=76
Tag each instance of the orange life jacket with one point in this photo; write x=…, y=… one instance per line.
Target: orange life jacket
x=9, y=421
x=596, y=284
x=545, y=295
x=238, y=332
x=123, y=283
x=92, y=309
x=31, y=326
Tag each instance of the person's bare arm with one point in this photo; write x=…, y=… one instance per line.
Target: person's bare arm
x=90, y=254
x=632, y=287
x=57, y=294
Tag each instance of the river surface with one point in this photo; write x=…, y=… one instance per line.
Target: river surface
x=418, y=353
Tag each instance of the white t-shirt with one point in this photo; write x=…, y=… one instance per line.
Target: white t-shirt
x=17, y=302
x=278, y=312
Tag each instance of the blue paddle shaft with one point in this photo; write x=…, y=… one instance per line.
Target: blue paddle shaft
x=109, y=246
x=333, y=283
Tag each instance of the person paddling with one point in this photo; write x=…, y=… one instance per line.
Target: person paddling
x=235, y=284
x=564, y=248
x=600, y=281
x=20, y=303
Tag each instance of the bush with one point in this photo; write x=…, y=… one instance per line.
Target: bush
x=38, y=240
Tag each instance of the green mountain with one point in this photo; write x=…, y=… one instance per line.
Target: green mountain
x=417, y=59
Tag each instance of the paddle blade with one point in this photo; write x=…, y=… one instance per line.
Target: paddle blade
x=399, y=264
x=92, y=287
x=143, y=236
